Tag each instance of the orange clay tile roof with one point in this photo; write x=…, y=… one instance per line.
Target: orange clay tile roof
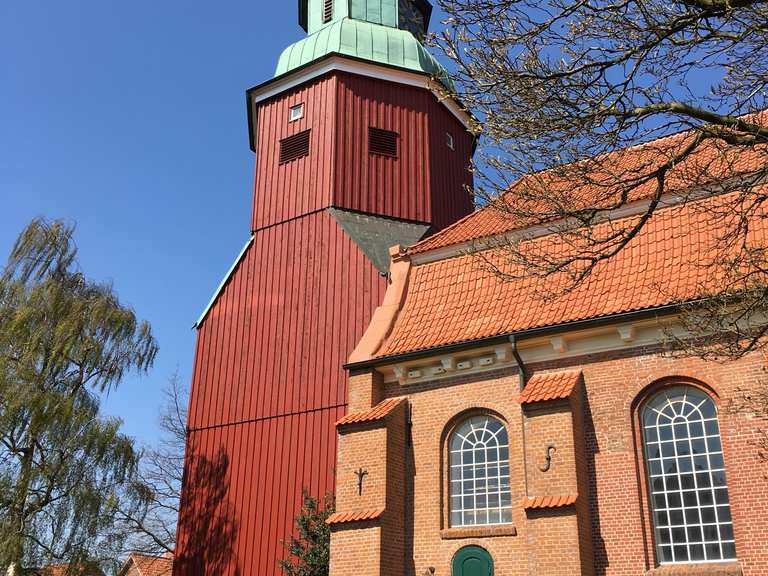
x=357, y=516
x=62, y=570
x=542, y=502
x=552, y=386
x=458, y=299
x=711, y=162
x=378, y=412
x=152, y=565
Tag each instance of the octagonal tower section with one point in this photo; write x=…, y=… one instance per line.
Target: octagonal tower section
x=358, y=148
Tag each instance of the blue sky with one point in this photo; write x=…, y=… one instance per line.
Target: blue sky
x=128, y=118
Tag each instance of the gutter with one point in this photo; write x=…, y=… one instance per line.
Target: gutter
x=522, y=376
x=507, y=337
x=518, y=361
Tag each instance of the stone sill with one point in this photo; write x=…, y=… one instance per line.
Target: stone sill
x=478, y=532
x=716, y=569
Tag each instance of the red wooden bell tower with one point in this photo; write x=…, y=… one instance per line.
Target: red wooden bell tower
x=356, y=151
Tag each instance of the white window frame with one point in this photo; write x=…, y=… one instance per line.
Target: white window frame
x=296, y=112
x=479, y=492
x=687, y=484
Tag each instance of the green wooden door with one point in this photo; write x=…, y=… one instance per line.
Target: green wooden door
x=472, y=561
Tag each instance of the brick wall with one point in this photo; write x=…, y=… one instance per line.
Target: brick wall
x=583, y=504
x=394, y=558
x=365, y=390
x=550, y=424
x=436, y=409
x=362, y=446
x=378, y=448
x=552, y=544
x=355, y=549
x=613, y=509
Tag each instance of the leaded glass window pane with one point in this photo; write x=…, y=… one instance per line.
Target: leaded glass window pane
x=686, y=477
x=479, y=473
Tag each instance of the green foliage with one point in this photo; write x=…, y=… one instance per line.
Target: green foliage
x=64, y=341
x=309, y=549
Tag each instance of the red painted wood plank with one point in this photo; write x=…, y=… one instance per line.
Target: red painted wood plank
x=268, y=382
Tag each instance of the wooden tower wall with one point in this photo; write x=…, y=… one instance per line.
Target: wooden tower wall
x=268, y=382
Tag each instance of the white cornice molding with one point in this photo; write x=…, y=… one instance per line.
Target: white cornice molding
x=342, y=64
x=607, y=338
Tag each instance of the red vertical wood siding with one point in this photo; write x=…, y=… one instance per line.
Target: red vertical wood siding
x=268, y=381
x=268, y=386
x=243, y=489
x=276, y=339
x=425, y=182
x=450, y=174
x=285, y=191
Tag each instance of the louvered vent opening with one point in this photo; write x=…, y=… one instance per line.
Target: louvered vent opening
x=382, y=142
x=327, y=11
x=294, y=147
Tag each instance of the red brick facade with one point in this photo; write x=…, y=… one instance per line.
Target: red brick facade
x=598, y=459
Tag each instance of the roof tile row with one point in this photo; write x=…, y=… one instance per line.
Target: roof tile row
x=356, y=516
x=543, y=502
x=597, y=184
x=378, y=412
x=551, y=386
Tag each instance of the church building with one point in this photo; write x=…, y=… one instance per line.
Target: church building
x=467, y=426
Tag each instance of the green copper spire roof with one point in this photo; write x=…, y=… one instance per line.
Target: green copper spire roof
x=379, y=31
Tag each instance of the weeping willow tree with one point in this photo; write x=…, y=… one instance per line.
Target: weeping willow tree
x=64, y=342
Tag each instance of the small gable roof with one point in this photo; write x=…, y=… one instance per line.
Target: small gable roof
x=378, y=412
x=147, y=565
x=544, y=502
x=356, y=516
x=550, y=386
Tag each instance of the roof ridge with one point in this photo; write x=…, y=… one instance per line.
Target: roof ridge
x=426, y=245
x=415, y=248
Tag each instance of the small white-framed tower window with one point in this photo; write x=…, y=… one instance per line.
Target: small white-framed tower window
x=296, y=112
x=449, y=141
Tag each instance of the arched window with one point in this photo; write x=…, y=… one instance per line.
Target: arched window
x=479, y=473
x=686, y=474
